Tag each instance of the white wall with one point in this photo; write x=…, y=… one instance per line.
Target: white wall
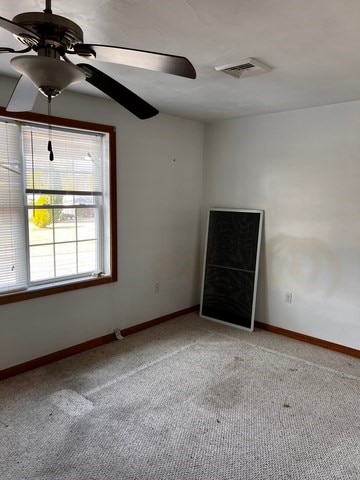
x=303, y=169
x=158, y=229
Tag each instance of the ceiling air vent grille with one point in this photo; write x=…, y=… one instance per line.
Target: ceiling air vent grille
x=248, y=67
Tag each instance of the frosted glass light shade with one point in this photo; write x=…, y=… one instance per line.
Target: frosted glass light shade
x=51, y=76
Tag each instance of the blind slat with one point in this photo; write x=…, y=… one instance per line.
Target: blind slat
x=77, y=165
x=12, y=237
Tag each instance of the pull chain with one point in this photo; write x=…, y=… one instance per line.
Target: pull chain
x=50, y=150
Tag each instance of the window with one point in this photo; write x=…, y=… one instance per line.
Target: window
x=57, y=218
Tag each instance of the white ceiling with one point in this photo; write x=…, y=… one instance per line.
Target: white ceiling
x=312, y=45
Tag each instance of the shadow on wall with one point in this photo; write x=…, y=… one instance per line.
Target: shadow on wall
x=305, y=263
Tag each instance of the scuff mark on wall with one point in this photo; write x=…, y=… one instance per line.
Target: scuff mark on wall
x=306, y=263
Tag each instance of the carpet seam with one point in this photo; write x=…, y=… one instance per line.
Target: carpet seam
x=112, y=382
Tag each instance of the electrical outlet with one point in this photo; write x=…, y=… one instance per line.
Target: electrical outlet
x=157, y=287
x=288, y=297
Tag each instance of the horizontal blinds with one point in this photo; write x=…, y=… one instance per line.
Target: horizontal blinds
x=77, y=166
x=12, y=229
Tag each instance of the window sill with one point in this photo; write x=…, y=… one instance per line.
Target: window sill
x=43, y=291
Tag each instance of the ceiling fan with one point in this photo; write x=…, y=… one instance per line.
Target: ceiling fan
x=54, y=38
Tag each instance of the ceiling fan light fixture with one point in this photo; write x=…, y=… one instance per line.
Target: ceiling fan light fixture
x=53, y=37
x=51, y=76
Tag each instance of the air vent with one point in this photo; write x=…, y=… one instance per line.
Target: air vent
x=246, y=68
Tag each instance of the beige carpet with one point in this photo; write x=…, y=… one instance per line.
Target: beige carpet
x=189, y=399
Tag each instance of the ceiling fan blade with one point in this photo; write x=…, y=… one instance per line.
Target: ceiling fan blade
x=16, y=29
x=23, y=97
x=159, y=62
x=118, y=92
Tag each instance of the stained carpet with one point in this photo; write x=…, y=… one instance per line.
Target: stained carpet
x=189, y=399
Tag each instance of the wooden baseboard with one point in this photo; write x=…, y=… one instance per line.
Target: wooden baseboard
x=82, y=347
x=156, y=321
x=55, y=356
x=97, y=342
x=306, y=338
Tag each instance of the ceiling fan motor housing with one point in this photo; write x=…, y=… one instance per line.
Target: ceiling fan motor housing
x=52, y=29
x=53, y=36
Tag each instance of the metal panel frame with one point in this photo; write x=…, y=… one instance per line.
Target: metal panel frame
x=239, y=210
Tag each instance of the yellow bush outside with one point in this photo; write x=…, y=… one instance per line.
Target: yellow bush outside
x=42, y=217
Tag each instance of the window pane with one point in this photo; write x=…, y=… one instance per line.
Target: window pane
x=65, y=230
x=41, y=263
x=40, y=227
x=86, y=225
x=84, y=200
x=87, y=256
x=71, y=188
x=65, y=259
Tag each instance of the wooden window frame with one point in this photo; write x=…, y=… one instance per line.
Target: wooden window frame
x=45, y=290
